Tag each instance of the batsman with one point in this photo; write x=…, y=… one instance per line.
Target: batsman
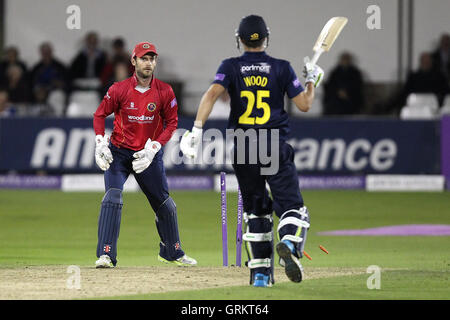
x=257, y=84
x=145, y=118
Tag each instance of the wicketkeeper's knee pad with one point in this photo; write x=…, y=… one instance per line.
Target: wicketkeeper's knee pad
x=258, y=237
x=293, y=226
x=167, y=225
x=113, y=196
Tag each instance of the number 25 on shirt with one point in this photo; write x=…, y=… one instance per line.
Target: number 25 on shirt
x=246, y=117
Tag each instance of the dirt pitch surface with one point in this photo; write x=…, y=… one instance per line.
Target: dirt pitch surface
x=59, y=282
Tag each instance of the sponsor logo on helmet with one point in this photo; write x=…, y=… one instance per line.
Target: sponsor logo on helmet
x=254, y=37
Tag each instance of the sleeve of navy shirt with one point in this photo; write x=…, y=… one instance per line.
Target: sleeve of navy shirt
x=292, y=85
x=224, y=74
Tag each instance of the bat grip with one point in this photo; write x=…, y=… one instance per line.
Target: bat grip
x=316, y=56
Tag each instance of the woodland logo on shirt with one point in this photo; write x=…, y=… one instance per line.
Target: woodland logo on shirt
x=140, y=118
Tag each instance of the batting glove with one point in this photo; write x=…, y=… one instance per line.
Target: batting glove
x=144, y=157
x=312, y=72
x=190, y=142
x=103, y=156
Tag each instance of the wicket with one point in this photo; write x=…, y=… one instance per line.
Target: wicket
x=240, y=209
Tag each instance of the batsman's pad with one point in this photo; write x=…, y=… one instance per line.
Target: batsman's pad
x=109, y=223
x=167, y=225
x=293, y=226
x=259, y=239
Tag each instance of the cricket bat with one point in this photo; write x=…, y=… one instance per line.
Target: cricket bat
x=327, y=36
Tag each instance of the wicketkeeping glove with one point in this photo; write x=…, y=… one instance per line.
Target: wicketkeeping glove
x=312, y=72
x=190, y=142
x=103, y=156
x=144, y=157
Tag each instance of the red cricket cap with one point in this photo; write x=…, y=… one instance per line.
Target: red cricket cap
x=143, y=48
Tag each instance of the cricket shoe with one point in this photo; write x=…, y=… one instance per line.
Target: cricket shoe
x=184, y=261
x=104, y=262
x=261, y=280
x=291, y=263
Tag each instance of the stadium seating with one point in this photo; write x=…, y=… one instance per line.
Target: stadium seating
x=420, y=106
x=221, y=110
x=57, y=100
x=445, y=109
x=82, y=104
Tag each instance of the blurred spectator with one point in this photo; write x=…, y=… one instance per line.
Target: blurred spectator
x=90, y=61
x=40, y=105
x=119, y=54
x=49, y=73
x=17, y=84
x=6, y=110
x=11, y=57
x=441, y=57
x=425, y=80
x=343, y=92
x=121, y=72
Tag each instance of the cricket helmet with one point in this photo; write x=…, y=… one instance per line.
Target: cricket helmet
x=252, y=28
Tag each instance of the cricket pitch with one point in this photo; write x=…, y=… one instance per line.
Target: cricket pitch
x=54, y=282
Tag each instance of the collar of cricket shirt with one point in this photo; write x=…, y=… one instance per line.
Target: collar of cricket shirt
x=137, y=86
x=254, y=55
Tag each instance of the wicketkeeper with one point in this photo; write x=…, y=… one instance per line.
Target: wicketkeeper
x=145, y=117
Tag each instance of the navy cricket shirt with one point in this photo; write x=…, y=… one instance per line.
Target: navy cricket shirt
x=257, y=84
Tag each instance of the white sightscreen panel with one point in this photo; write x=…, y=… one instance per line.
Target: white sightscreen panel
x=194, y=36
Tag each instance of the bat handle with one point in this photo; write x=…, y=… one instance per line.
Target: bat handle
x=316, y=56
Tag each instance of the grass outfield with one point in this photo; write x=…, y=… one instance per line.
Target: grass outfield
x=57, y=229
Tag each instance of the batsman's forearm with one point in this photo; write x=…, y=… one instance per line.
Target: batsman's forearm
x=310, y=93
x=204, y=110
x=304, y=100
